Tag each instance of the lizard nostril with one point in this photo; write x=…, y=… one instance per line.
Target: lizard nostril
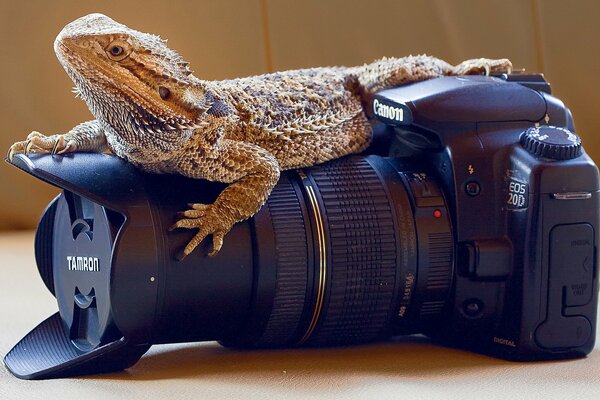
x=164, y=92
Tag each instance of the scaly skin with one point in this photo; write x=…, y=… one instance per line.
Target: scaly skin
x=152, y=111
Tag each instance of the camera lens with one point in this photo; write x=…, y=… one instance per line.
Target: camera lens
x=346, y=252
x=363, y=250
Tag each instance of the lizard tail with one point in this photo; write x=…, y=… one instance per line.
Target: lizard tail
x=390, y=72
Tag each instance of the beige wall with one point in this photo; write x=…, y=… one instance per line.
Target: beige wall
x=228, y=38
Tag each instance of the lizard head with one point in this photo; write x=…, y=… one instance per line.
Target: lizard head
x=131, y=79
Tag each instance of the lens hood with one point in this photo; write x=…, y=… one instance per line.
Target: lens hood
x=103, y=252
x=48, y=350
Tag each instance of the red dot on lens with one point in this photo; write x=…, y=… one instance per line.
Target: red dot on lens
x=437, y=214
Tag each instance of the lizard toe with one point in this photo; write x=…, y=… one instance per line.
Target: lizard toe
x=16, y=148
x=199, y=206
x=34, y=134
x=69, y=147
x=484, y=66
x=188, y=223
x=39, y=143
x=217, y=243
x=207, y=219
x=196, y=240
x=191, y=213
x=11, y=154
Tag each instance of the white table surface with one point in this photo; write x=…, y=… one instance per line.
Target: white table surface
x=409, y=368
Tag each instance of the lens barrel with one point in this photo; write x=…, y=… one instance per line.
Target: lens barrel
x=363, y=250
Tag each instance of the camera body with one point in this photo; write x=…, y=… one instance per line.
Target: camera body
x=524, y=205
x=471, y=218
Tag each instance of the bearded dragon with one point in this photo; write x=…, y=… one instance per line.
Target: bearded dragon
x=151, y=110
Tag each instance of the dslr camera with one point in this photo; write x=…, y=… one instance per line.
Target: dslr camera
x=471, y=218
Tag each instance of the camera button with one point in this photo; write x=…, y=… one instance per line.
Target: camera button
x=473, y=308
x=472, y=188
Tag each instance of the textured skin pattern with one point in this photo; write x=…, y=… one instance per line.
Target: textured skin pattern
x=151, y=110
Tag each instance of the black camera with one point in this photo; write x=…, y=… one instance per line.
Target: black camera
x=472, y=218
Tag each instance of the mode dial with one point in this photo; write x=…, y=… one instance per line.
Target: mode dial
x=551, y=142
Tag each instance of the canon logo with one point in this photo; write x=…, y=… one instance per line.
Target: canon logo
x=90, y=264
x=389, y=112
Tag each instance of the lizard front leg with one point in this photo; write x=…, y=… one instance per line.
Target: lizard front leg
x=85, y=137
x=252, y=172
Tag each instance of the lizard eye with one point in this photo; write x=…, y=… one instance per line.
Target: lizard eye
x=164, y=92
x=116, y=50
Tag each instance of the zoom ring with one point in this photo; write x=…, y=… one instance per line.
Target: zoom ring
x=362, y=266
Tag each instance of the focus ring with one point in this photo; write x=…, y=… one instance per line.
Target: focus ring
x=292, y=265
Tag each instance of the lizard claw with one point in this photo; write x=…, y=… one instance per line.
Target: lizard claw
x=209, y=221
x=57, y=141
x=28, y=146
x=217, y=243
x=16, y=148
x=487, y=69
x=69, y=147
